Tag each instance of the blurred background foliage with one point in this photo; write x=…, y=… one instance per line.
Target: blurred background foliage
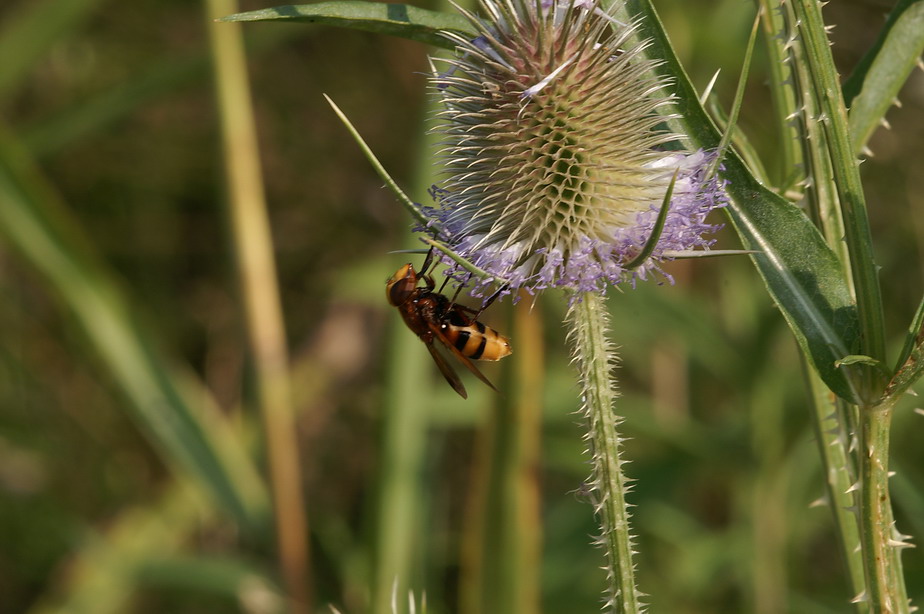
x=115, y=105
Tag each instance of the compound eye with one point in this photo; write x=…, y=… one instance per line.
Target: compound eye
x=401, y=285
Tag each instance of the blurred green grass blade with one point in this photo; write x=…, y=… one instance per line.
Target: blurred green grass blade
x=800, y=271
x=401, y=20
x=399, y=516
x=874, y=84
x=31, y=29
x=166, y=400
x=162, y=77
x=230, y=577
x=102, y=573
x=501, y=555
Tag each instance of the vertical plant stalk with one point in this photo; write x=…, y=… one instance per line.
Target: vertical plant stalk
x=263, y=312
x=832, y=418
x=400, y=510
x=832, y=433
x=402, y=501
x=833, y=118
x=882, y=544
x=884, y=581
x=502, y=554
x=817, y=175
x=595, y=359
x=785, y=104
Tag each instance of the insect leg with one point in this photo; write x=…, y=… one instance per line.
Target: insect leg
x=443, y=287
x=428, y=261
x=491, y=300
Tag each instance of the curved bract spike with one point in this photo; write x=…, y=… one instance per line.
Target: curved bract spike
x=413, y=208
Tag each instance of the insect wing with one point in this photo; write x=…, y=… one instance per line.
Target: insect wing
x=438, y=333
x=448, y=372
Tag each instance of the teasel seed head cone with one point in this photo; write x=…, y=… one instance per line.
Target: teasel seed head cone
x=554, y=161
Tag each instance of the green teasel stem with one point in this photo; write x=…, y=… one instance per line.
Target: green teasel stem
x=816, y=172
x=833, y=423
x=595, y=358
x=882, y=545
x=780, y=70
x=833, y=117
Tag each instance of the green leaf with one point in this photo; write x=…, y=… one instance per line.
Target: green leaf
x=911, y=361
x=877, y=79
x=732, y=123
x=801, y=272
x=652, y=241
x=859, y=359
x=395, y=19
x=166, y=400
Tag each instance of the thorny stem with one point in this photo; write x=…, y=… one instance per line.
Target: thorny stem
x=881, y=542
x=595, y=358
x=832, y=433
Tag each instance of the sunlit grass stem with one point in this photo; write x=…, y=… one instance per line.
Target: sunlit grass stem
x=252, y=240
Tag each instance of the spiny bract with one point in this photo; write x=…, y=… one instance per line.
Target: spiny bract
x=555, y=167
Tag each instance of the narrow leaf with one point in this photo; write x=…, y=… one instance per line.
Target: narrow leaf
x=739, y=92
x=658, y=227
x=395, y=19
x=707, y=253
x=471, y=267
x=413, y=208
x=877, y=79
x=911, y=362
x=800, y=271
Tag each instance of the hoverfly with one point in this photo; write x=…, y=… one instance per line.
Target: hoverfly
x=433, y=316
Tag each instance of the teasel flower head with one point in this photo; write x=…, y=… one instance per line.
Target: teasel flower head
x=556, y=165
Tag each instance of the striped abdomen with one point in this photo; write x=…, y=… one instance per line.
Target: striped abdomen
x=474, y=339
